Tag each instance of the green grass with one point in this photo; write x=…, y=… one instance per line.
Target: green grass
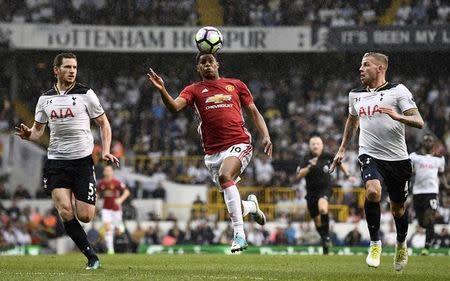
x=220, y=267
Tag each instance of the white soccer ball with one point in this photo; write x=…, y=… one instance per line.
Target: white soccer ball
x=208, y=39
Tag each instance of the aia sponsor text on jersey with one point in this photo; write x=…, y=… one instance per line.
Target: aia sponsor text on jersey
x=368, y=110
x=63, y=113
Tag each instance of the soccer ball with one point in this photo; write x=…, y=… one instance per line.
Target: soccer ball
x=208, y=39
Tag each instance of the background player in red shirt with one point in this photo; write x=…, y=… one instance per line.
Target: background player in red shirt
x=113, y=192
x=218, y=103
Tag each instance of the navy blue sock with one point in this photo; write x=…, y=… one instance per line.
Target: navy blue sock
x=78, y=235
x=401, y=224
x=324, y=220
x=429, y=236
x=373, y=214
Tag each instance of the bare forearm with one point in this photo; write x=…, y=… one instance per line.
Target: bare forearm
x=35, y=135
x=412, y=117
x=168, y=101
x=106, y=138
x=261, y=125
x=413, y=121
x=303, y=172
x=349, y=131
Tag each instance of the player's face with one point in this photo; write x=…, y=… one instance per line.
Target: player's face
x=428, y=142
x=208, y=67
x=108, y=172
x=316, y=145
x=369, y=70
x=67, y=72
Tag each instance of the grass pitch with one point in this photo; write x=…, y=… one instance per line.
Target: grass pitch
x=220, y=267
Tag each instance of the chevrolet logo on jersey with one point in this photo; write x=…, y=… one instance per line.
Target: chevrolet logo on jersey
x=220, y=98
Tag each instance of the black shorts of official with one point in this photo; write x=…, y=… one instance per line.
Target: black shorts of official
x=312, y=201
x=394, y=175
x=424, y=202
x=77, y=175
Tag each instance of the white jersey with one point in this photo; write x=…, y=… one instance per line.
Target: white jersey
x=426, y=169
x=69, y=119
x=380, y=136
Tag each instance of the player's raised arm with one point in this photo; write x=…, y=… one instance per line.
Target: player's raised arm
x=349, y=131
x=32, y=134
x=173, y=105
x=261, y=126
x=105, y=130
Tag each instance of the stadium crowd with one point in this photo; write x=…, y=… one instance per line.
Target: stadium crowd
x=255, y=13
x=27, y=226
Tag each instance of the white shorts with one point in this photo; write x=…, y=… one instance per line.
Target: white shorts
x=243, y=151
x=112, y=217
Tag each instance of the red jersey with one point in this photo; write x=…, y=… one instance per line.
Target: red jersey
x=111, y=190
x=218, y=105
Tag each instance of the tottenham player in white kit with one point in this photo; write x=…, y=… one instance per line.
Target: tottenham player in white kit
x=381, y=110
x=68, y=108
x=427, y=169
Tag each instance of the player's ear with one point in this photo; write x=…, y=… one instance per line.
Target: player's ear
x=55, y=70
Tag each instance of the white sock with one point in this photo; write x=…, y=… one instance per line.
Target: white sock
x=233, y=202
x=249, y=207
x=375, y=243
x=109, y=239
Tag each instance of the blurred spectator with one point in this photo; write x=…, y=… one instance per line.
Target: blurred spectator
x=21, y=193
x=159, y=192
x=96, y=240
x=151, y=235
x=290, y=234
x=14, y=211
x=443, y=238
x=121, y=240
x=137, y=237
x=353, y=238
x=4, y=194
x=176, y=233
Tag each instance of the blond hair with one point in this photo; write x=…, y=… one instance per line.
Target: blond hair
x=384, y=59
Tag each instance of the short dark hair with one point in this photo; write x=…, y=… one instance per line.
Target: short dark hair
x=59, y=58
x=200, y=54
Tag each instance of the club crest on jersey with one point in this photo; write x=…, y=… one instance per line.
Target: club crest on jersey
x=220, y=98
x=230, y=88
x=61, y=114
x=369, y=111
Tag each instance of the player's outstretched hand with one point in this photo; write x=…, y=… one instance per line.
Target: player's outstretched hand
x=267, y=146
x=155, y=79
x=111, y=158
x=23, y=131
x=337, y=161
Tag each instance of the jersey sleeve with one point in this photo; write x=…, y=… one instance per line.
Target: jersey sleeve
x=93, y=105
x=40, y=115
x=188, y=95
x=441, y=168
x=121, y=185
x=405, y=99
x=351, y=106
x=245, y=95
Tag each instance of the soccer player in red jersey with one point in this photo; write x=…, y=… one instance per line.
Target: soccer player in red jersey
x=218, y=102
x=114, y=192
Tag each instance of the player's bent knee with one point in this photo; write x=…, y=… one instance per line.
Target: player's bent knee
x=66, y=212
x=223, y=178
x=373, y=195
x=85, y=218
x=398, y=212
